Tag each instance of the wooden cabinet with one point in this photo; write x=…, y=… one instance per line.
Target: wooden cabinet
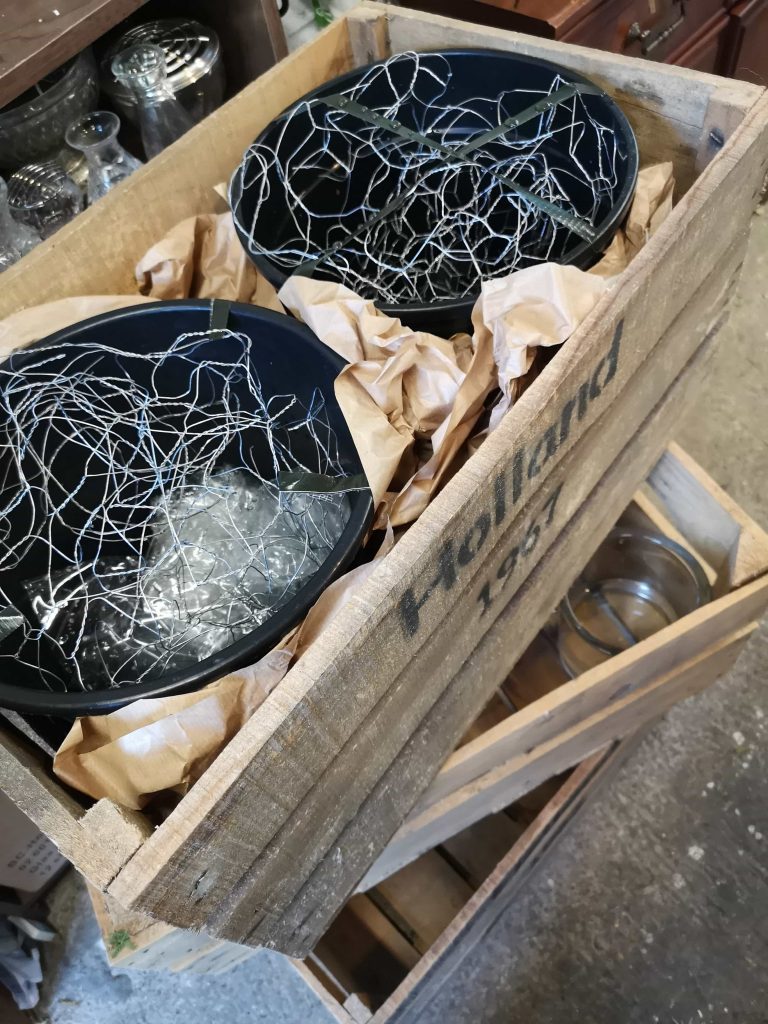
x=708, y=50
x=720, y=36
x=747, y=55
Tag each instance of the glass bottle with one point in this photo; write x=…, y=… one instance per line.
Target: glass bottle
x=162, y=119
x=15, y=239
x=43, y=197
x=95, y=135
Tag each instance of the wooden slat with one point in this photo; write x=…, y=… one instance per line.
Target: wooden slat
x=423, y=898
x=502, y=785
x=517, y=623
x=26, y=780
x=407, y=1003
x=599, y=688
x=475, y=851
x=38, y=35
x=711, y=520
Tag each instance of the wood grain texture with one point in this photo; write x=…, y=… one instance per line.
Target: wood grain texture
x=406, y=1004
x=100, y=854
x=518, y=775
x=311, y=745
x=730, y=540
x=517, y=624
x=37, y=36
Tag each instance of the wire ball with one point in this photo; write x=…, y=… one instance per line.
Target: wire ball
x=149, y=510
x=409, y=184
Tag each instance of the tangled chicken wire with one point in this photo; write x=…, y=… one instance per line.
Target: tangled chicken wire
x=144, y=523
x=405, y=195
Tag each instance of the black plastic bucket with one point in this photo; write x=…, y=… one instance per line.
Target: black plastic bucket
x=289, y=360
x=473, y=73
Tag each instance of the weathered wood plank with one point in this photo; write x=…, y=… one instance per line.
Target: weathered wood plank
x=27, y=781
x=517, y=624
x=730, y=540
x=598, y=688
x=505, y=783
x=407, y=1003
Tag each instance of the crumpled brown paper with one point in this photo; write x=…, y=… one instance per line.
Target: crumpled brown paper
x=412, y=401
x=402, y=388
x=651, y=205
x=201, y=256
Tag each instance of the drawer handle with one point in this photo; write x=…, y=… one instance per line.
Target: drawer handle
x=636, y=33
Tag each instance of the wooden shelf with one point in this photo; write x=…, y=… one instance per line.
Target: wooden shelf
x=37, y=36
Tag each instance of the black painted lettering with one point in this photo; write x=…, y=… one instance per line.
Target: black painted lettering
x=410, y=605
x=549, y=440
x=550, y=504
x=517, y=475
x=500, y=497
x=583, y=399
x=609, y=363
x=565, y=419
x=509, y=563
x=484, y=597
x=474, y=539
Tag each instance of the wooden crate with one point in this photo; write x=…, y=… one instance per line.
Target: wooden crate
x=494, y=809
x=293, y=813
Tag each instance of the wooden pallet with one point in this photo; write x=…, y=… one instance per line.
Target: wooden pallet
x=494, y=810
x=283, y=826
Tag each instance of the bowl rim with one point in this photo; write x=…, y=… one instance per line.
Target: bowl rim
x=691, y=563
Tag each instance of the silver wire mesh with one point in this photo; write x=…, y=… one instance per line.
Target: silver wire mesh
x=143, y=520
x=403, y=219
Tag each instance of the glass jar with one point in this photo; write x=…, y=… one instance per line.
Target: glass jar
x=95, y=135
x=15, y=239
x=43, y=197
x=193, y=65
x=162, y=119
x=635, y=584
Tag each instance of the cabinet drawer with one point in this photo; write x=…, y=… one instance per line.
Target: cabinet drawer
x=748, y=42
x=644, y=28
x=708, y=51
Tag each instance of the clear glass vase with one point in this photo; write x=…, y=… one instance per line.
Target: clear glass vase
x=95, y=136
x=15, y=239
x=162, y=119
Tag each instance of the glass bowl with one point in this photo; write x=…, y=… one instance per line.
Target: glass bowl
x=635, y=584
x=32, y=127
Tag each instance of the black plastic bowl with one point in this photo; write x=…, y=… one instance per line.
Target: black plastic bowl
x=289, y=359
x=474, y=73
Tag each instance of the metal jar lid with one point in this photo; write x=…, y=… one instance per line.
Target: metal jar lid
x=191, y=51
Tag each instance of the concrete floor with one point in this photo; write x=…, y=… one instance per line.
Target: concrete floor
x=653, y=909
